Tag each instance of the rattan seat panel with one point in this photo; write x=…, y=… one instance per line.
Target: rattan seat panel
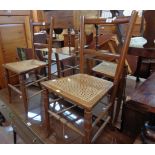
x=106, y=68
x=24, y=66
x=83, y=89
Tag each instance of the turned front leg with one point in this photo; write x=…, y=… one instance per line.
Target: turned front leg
x=46, y=108
x=87, y=126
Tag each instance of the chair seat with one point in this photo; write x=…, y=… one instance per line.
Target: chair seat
x=137, y=42
x=63, y=50
x=24, y=66
x=107, y=68
x=61, y=57
x=82, y=89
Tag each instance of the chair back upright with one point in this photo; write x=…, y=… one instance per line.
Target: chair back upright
x=24, y=53
x=123, y=53
x=48, y=44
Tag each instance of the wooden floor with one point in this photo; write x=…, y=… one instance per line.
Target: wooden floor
x=108, y=136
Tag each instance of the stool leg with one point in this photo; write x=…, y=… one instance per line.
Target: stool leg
x=87, y=126
x=46, y=107
x=24, y=95
x=7, y=82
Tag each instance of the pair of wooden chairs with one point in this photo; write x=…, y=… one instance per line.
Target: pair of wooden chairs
x=86, y=91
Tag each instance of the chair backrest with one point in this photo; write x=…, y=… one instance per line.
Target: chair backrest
x=24, y=53
x=103, y=21
x=36, y=46
x=121, y=60
x=40, y=37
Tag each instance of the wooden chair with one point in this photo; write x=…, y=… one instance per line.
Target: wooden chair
x=66, y=65
x=37, y=46
x=107, y=65
x=64, y=57
x=33, y=65
x=143, y=45
x=84, y=90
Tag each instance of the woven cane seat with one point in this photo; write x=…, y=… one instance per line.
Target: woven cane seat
x=24, y=66
x=82, y=89
x=107, y=68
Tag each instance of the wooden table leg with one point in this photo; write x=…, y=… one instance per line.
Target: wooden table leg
x=139, y=63
x=14, y=137
x=7, y=82
x=87, y=126
x=24, y=94
x=46, y=107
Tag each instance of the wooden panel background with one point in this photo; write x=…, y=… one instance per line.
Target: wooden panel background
x=11, y=42
x=14, y=32
x=62, y=18
x=15, y=12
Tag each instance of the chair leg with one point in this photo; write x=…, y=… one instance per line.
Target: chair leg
x=58, y=65
x=7, y=82
x=36, y=76
x=24, y=94
x=121, y=96
x=139, y=62
x=14, y=137
x=46, y=107
x=149, y=70
x=87, y=126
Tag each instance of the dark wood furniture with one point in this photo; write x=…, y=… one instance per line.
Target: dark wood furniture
x=84, y=90
x=139, y=107
x=69, y=40
x=146, y=51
